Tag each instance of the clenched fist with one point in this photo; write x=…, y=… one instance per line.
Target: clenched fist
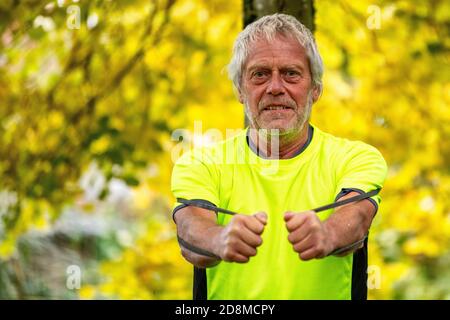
x=238, y=240
x=308, y=235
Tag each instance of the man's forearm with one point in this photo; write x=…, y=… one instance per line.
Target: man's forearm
x=350, y=224
x=199, y=230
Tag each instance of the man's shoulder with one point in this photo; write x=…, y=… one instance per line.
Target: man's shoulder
x=216, y=151
x=343, y=146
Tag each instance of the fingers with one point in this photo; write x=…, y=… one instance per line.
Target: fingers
x=295, y=220
x=304, y=244
x=314, y=251
x=306, y=224
x=250, y=228
x=231, y=256
x=241, y=237
x=261, y=216
x=256, y=222
x=236, y=249
x=250, y=238
x=308, y=254
x=240, y=259
x=288, y=215
x=307, y=235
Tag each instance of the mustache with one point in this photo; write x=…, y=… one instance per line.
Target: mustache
x=280, y=102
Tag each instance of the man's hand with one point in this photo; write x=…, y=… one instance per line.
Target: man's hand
x=238, y=240
x=309, y=236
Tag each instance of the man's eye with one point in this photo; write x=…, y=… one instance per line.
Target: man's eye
x=291, y=73
x=259, y=74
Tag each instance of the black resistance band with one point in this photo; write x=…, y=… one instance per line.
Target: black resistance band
x=201, y=204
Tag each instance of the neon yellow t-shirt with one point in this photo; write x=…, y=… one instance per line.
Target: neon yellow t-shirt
x=231, y=175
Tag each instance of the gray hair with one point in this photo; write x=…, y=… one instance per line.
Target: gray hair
x=267, y=28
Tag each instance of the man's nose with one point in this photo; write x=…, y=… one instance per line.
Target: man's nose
x=275, y=86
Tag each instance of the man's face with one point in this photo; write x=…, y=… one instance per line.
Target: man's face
x=276, y=85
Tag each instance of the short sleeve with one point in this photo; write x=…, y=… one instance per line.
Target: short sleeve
x=194, y=176
x=362, y=168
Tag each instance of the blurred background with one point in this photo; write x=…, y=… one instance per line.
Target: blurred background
x=92, y=91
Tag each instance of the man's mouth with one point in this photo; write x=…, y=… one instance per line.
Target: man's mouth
x=270, y=108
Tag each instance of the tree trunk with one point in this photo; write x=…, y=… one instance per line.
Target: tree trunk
x=303, y=10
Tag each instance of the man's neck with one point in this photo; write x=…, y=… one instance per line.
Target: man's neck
x=286, y=147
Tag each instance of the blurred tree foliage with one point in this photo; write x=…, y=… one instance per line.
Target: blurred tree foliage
x=108, y=94
x=390, y=87
x=111, y=92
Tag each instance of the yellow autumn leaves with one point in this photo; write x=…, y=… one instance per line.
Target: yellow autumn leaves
x=387, y=86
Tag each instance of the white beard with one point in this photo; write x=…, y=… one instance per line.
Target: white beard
x=293, y=131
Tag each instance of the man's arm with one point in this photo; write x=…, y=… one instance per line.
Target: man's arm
x=198, y=227
x=235, y=242
x=312, y=238
x=350, y=223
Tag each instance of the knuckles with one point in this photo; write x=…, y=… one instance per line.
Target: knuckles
x=291, y=237
x=312, y=253
x=311, y=227
x=231, y=240
x=229, y=255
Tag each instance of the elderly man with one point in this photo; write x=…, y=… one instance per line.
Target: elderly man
x=273, y=174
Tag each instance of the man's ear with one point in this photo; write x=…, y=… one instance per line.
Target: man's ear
x=240, y=96
x=317, y=91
